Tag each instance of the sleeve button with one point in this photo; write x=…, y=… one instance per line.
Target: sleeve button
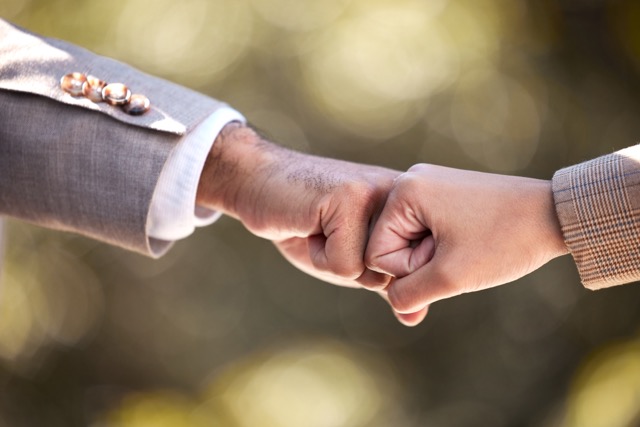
x=92, y=88
x=116, y=94
x=72, y=83
x=137, y=105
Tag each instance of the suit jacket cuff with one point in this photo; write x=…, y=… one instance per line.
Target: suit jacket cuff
x=598, y=205
x=71, y=164
x=173, y=213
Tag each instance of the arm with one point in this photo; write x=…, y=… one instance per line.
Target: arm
x=317, y=211
x=444, y=232
x=72, y=164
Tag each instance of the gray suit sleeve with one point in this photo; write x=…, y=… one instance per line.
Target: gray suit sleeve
x=70, y=164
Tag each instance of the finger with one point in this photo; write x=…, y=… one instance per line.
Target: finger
x=347, y=263
x=412, y=319
x=341, y=252
x=317, y=251
x=421, y=288
x=373, y=280
x=391, y=248
x=296, y=251
x=403, y=262
x=407, y=319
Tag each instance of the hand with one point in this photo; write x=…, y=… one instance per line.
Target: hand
x=444, y=232
x=317, y=211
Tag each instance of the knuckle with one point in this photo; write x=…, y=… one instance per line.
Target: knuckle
x=371, y=261
x=405, y=185
x=418, y=167
x=403, y=180
x=361, y=193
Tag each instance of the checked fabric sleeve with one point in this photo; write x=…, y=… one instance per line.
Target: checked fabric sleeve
x=598, y=205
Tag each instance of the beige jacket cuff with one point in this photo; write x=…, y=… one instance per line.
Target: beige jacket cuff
x=598, y=205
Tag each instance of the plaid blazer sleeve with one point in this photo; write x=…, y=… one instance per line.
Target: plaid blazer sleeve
x=598, y=205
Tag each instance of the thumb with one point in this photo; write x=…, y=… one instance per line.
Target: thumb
x=407, y=319
x=421, y=288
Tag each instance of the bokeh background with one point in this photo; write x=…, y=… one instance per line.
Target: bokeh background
x=222, y=332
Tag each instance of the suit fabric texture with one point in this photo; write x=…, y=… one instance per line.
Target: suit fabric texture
x=598, y=205
x=71, y=164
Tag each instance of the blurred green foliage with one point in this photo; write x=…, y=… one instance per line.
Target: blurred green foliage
x=222, y=332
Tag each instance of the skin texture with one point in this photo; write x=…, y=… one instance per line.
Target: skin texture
x=444, y=232
x=317, y=211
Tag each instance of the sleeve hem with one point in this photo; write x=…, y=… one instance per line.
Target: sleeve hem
x=173, y=213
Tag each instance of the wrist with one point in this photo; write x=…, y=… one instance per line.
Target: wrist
x=234, y=159
x=549, y=222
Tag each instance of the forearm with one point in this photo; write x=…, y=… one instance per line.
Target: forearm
x=444, y=232
x=276, y=192
x=316, y=210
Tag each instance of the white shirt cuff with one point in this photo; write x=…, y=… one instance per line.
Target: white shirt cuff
x=173, y=213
